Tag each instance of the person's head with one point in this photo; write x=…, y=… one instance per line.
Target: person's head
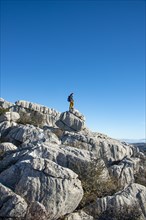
x=72, y=93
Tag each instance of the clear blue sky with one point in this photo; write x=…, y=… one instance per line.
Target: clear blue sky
x=95, y=49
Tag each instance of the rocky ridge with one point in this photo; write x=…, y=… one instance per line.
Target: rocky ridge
x=46, y=162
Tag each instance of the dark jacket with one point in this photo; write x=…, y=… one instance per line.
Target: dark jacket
x=71, y=97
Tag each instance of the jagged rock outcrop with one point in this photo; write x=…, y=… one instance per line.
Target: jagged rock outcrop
x=48, y=158
x=78, y=216
x=109, y=149
x=6, y=147
x=133, y=196
x=71, y=121
x=12, y=206
x=43, y=181
x=28, y=134
x=4, y=104
x=10, y=116
x=49, y=115
x=125, y=170
x=25, y=109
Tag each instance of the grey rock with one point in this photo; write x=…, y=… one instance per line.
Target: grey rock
x=72, y=158
x=80, y=215
x=11, y=204
x=25, y=133
x=49, y=115
x=36, y=211
x=110, y=150
x=56, y=188
x=10, y=116
x=4, y=128
x=43, y=169
x=6, y=147
x=124, y=172
x=5, y=104
x=28, y=134
x=132, y=195
x=70, y=122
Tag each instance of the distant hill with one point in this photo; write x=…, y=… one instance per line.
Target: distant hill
x=130, y=141
x=141, y=146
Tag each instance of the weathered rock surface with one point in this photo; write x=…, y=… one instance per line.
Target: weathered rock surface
x=4, y=104
x=69, y=121
x=72, y=158
x=10, y=116
x=49, y=115
x=42, y=170
x=43, y=181
x=28, y=134
x=102, y=146
x=12, y=206
x=124, y=172
x=7, y=147
x=133, y=195
x=78, y=216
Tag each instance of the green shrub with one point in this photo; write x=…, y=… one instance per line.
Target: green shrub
x=125, y=212
x=140, y=176
x=94, y=185
x=3, y=110
x=34, y=118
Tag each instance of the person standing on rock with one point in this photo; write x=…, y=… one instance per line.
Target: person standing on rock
x=71, y=100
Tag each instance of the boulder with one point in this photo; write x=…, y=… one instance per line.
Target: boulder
x=42, y=169
x=10, y=116
x=5, y=104
x=4, y=128
x=80, y=215
x=49, y=116
x=28, y=134
x=6, y=147
x=72, y=158
x=25, y=133
x=124, y=171
x=128, y=198
x=70, y=122
x=110, y=150
x=12, y=206
x=57, y=189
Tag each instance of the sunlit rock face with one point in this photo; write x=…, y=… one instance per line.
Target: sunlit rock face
x=71, y=121
x=44, y=159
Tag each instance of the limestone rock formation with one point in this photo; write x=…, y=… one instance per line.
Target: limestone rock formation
x=81, y=215
x=42, y=180
x=27, y=109
x=6, y=147
x=133, y=196
x=53, y=167
x=69, y=121
x=10, y=116
x=12, y=206
x=4, y=104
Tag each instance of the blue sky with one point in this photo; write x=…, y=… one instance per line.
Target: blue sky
x=95, y=49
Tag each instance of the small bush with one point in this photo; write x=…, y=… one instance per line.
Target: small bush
x=94, y=185
x=3, y=110
x=140, y=177
x=123, y=213
x=34, y=118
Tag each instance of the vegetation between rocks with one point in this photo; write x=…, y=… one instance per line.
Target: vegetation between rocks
x=34, y=118
x=96, y=184
x=140, y=177
x=3, y=110
x=125, y=212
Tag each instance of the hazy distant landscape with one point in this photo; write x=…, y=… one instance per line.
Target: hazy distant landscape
x=130, y=141
x=141, y=146
x=140, y=143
